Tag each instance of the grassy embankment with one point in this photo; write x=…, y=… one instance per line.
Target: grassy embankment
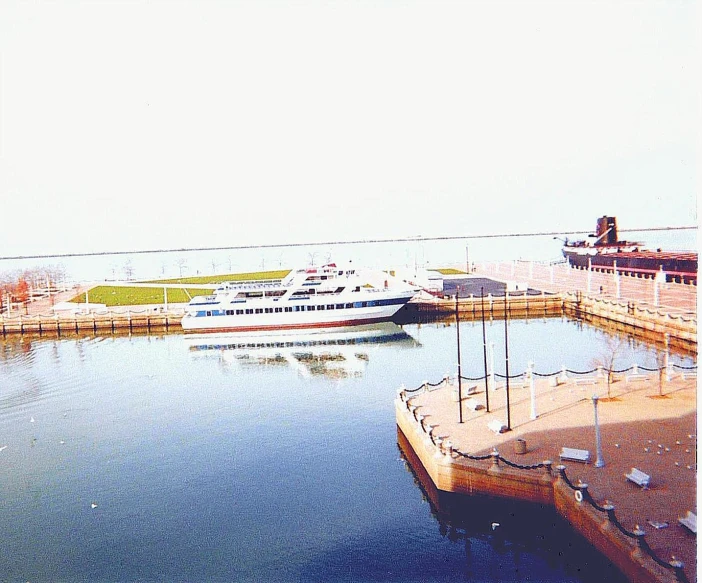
x=112, y=295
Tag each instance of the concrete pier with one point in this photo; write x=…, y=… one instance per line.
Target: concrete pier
x=642, y=425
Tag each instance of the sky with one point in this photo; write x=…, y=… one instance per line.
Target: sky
x=129, y=125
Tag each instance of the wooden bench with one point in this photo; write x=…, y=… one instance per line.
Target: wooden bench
x=575, y=455
x=638, y=477
x=497, y=426
x=689, y=521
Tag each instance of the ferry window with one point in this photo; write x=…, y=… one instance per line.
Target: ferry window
x=230, y=312
x=239, y=312
x=269, y=310
x=259, y=310
x=330, y=306
x=310, y=308
x=299, y=308
x=320, y=307
x=208, y=313
x=339, y=306
x=249, y=311
x=277, y=310
x=288, y=308
x=349, y=305
x=364, y=304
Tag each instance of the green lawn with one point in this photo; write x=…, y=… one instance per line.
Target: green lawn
x=137, y=296
x=449, y=271
x=254, y=275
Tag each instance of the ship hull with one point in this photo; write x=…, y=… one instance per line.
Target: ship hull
x=676, y=266
x=298, y=320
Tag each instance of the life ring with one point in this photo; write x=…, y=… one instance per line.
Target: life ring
x=579, y=495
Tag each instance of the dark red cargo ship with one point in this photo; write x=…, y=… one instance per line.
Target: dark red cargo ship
x=629, y=257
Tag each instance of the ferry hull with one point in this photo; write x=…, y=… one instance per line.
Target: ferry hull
x=295, y=321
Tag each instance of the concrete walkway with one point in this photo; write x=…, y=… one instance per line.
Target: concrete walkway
x=639, y=428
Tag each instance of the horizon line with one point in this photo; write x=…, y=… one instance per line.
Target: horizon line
x=323, y=243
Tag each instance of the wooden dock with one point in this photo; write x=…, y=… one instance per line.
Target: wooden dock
x=108, y=322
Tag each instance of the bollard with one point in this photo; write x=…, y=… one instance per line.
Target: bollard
x=677, y=565
x=495, y=464
x=639, y=533
x=548, y=466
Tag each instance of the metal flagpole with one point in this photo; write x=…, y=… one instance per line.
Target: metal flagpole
x=482, y=311
x=509, y=424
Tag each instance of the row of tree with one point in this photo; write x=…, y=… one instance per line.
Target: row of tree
x=18, y=286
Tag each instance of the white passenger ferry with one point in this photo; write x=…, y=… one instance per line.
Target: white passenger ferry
x=316, y=297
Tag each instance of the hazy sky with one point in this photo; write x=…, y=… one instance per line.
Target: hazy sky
x=142, y=124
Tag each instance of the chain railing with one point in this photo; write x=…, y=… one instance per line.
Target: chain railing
x=582, y=493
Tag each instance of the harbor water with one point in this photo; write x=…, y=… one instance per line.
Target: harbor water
x=172, y=458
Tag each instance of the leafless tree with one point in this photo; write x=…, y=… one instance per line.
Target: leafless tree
x=611, y=351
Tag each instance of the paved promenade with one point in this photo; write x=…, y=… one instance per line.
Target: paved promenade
x=639, y=428
x=674, y=297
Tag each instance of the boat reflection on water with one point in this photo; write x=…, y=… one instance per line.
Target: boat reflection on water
x=333, y=353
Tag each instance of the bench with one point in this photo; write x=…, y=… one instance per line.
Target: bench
x=575, y=455
x=631, y=378
x=473, y=404
x=469, y=390
x=689, y=521
x=497, y=426
x=465, y=390
x=638, y=477
x=586, y=381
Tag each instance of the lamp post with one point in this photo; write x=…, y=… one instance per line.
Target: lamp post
x=599, y=463
x=458, y=348
x=482, y=312
x=509, y=423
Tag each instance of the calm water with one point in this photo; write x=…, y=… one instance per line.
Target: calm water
x=150, y=459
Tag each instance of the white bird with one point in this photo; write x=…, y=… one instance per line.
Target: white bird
x=31, y=420
x=93, y=505
x=3, y=447
x=495, y=525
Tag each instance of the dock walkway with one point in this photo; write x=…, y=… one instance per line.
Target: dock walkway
x=639, y=428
